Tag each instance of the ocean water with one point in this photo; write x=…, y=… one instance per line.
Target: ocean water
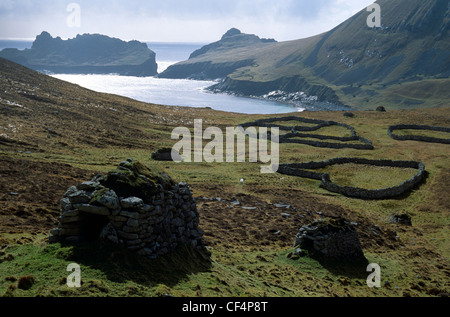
x=175, y=92
x=19, y=44
x=172, y=53
x=171, y=92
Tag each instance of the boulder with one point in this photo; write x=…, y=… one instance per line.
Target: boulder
x=401, y=218
x=349, y=114
x=166, y=154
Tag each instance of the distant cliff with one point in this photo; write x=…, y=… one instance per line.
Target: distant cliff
x=86, y=54
x=234, y=38
x=204, y=65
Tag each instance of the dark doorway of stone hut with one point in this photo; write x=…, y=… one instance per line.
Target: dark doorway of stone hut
x=92, y=227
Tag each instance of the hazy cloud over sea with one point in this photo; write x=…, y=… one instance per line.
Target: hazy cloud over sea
x=176, y=20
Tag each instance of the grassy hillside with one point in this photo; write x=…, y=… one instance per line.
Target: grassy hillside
x=54, y=135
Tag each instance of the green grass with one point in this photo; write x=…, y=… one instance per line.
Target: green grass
x=425, y=93
x=104, y=271
x=427, y=133
x=107, y=272
x=368, y=177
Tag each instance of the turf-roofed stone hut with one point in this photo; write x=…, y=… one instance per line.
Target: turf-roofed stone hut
x=134, y=206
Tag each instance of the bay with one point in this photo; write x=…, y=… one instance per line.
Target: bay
x=175, y=92
x=170, y=92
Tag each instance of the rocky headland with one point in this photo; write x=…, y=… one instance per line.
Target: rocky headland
x=201, y=66
x=86, y=54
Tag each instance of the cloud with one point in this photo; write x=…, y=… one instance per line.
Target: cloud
x=177, y=20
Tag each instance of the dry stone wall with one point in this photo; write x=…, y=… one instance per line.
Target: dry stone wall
x=294, y=135
x=418, y=137
x=132, y=206
x=302, y=170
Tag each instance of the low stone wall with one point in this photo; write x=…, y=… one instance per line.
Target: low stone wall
x=269, y=123
x=364, y=145
x=417, y=137
x=300, y=169
x=163, y=217
x=294, y=136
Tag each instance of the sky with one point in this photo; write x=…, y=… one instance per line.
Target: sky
x=197, y=21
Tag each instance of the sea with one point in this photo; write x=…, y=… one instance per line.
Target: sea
x=170, y=92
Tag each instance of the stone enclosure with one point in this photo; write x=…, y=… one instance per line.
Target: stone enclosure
x=418, y=137
x=303, y=170
x=298, y=134
x=133, y=206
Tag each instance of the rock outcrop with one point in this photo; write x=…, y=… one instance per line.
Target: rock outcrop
x=133, y=206
x=291, y=89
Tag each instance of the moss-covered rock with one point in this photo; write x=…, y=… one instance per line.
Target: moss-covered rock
x=132, y=178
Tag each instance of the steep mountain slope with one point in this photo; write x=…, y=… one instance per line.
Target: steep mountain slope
x=88, y=53
x=363, y=66
x=412, y=41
